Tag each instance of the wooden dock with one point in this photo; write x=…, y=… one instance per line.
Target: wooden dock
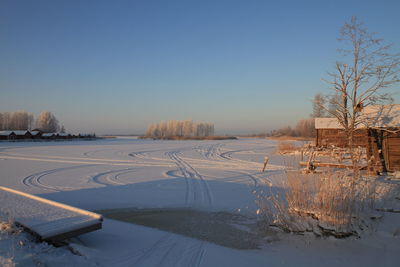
x=329, y=165
x=49, y=220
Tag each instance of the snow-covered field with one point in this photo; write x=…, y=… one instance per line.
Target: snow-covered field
x=210, y=176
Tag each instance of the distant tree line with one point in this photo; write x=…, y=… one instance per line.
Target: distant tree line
x=23, y=120
x=306, y=127
x=173, y=128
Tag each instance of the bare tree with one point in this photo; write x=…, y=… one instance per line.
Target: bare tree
x=47, y=122
x=367, y=67
x=187, y=128
x=318, y=104
x=18, y=120
x=305, y=128
x=174, y=128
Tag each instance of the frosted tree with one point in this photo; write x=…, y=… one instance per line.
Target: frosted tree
x=47, y=122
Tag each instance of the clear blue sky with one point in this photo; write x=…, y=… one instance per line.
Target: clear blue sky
x=117, y=66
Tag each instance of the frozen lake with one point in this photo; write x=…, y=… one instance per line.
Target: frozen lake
x=205, y=186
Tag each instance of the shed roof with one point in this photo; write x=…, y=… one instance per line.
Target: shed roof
x=378, y=116
x=6, y=133
x=382, y=116
x=48, y=134
x=23, y=132
x=327, y=123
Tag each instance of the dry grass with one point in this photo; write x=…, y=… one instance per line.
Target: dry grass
x=324, y=203
x=286, y=148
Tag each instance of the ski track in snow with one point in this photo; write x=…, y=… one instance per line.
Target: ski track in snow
x=169, y=250
x=198, y=193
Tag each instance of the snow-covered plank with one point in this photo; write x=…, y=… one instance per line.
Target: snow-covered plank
x=50, y=220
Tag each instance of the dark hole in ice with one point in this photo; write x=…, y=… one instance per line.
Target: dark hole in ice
x=222, y=228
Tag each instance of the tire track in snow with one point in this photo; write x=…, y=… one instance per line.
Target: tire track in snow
x=211, y=152
x=34, y=180
x=111, y=177
x=198, y=192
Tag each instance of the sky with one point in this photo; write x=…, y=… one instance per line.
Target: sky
x=114, y=67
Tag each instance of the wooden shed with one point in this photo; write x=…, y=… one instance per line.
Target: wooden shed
x=330, y=133
x=383, y=123
x=379, y=134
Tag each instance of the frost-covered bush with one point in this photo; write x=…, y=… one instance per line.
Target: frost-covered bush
x=328, y=203
x=47, y=122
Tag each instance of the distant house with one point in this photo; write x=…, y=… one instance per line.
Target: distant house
x=15, y=135
x=87, y=136
x=379, y=134
x=36, y=134
x=49, y=136
x=64, y=136
x=19, y=135
x=7, y=135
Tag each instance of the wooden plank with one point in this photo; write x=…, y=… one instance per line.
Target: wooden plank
x=330, y=165
x=49, y=220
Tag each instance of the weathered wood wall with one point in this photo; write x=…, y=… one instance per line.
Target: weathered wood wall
x=391, y=149
x=337, y=137
x=383, y=151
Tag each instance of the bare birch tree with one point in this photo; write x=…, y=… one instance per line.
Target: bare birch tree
x=359, y=80
x=172, y=128
x=318, y=103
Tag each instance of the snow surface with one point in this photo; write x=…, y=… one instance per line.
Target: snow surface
x=203, y=175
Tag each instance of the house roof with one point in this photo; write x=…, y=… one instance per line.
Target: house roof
x=13, y=131
x=21, y=132
x=382, y=116
x=48, y=134
x=327, y=123
x=6, y=133
x=377, y=116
